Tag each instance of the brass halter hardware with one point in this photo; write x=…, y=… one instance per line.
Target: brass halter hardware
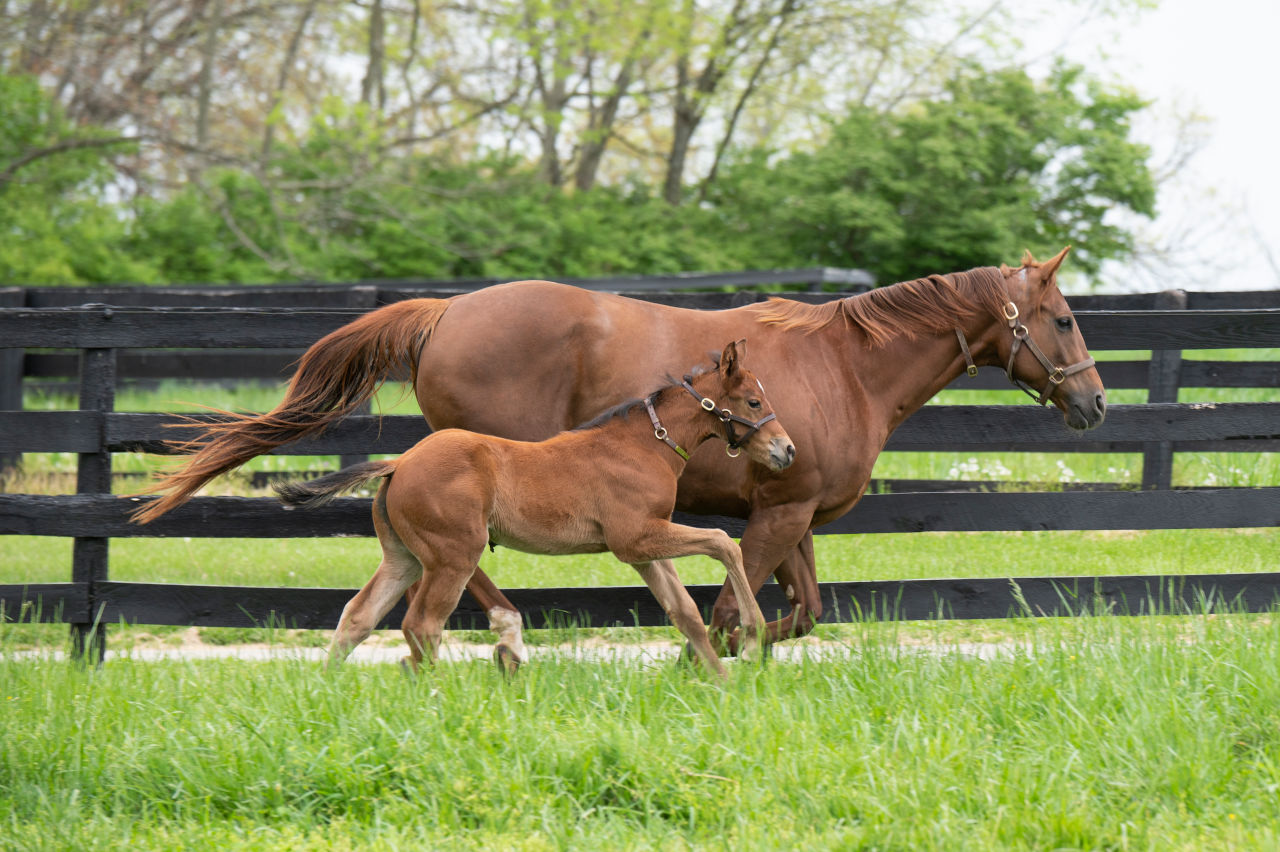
x=1022, y=336
x=733, y=440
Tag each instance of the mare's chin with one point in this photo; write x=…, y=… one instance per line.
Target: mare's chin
x=1078, y=421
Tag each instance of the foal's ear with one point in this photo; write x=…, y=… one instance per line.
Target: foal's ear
x=1050, y=267
x=729, y=358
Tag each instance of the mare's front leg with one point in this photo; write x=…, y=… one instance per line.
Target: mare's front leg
x=773, y=534
x=661, y=539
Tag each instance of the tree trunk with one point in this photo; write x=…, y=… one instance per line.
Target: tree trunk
x=372, y=86
x=207, y=59
x=600, y=129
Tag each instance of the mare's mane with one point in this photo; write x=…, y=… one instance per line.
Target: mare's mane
x=926, y=305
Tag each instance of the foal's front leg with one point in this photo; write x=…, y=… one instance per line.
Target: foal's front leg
x=661, y=578
x=661, y=539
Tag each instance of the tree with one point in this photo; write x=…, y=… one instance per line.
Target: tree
x=999, y=164
x=57, y=229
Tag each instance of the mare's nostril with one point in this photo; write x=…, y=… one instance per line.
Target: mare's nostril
x=1100, y=403
x=791, y=452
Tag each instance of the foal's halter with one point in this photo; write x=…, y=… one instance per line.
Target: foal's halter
x=724, y=415
x=1021, y=335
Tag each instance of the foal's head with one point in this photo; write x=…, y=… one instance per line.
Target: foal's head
x=737, y=392
x=1041, y=307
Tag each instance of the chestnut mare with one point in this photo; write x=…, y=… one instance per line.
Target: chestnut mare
x=530, y=359
x=608, y=485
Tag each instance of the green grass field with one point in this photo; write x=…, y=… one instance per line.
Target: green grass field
x=1095, y=733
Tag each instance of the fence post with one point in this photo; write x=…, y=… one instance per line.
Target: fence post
x=366, y=297
x=93, y=476
x=11, y=375
x=1162, y=386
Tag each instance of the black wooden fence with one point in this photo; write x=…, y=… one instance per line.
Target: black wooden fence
x=106, y=337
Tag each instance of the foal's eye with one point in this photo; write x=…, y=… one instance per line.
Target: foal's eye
x=1064, y=323
x=753, y=403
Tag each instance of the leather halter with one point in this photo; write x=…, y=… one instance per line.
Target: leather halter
x=1021, y=335
x=724, y=415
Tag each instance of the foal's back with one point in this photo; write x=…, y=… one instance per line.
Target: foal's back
x=548, y=497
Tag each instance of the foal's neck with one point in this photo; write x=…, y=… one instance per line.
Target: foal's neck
x=686, y=422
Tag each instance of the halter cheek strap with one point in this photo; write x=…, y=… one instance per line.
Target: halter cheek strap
x=1021, y=336
x=660, y=432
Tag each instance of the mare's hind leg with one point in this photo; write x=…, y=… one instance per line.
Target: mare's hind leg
x=398, y=569
x=661, y=578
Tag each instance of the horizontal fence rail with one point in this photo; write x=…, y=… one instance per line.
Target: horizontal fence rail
x=108, y=327
x=224, y=333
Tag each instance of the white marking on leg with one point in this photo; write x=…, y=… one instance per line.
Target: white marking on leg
x=508, y=626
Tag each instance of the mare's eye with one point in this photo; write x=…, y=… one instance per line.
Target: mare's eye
x=1064, y=323
x=753, y=403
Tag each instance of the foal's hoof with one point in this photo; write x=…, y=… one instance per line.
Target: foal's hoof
x=507, y=660
x=752, y=650
x=406, y=666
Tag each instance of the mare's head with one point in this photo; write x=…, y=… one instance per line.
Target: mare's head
x=1043, y=350
x=750, y=423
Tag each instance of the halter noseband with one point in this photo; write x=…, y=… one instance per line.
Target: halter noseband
x=1021, y=335
x=724, y=415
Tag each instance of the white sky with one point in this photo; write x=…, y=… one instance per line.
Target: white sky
x=1220, y=59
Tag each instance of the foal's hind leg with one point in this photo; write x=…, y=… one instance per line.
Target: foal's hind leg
x=398, y=569
x=430, y=609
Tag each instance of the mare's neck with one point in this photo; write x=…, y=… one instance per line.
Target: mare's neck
x=908, y=371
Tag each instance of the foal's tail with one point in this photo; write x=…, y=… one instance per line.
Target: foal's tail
x=310, y=493
x=335, y=376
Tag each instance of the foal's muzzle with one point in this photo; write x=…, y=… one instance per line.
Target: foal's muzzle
x=781, y=453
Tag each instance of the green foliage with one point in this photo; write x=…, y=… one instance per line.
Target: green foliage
x=1001, y=164
x=55, y=227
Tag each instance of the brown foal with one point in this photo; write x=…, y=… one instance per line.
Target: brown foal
x=607, y=485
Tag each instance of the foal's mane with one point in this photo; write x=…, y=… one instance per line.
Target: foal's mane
x=623, y=409
x=926, y=305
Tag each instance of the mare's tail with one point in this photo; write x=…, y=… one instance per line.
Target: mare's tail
x=335, y=376
x=310, y=493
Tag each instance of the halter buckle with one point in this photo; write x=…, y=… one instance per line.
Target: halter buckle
x=707, y=404
x=1011, y=317
x=1057, y=376
x=972, y=369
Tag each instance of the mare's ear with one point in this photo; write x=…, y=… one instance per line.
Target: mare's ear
x=730, y=357
x=1050, y=267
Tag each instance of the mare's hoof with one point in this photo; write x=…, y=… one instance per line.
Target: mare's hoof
x=507, y=661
